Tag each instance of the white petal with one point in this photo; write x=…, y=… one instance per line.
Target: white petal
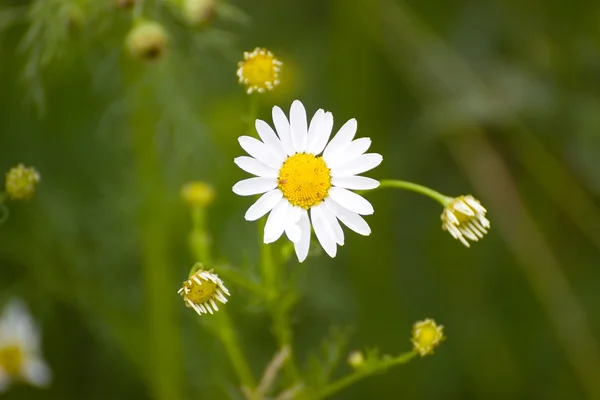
x=341, y=140
x=334, y=225
x=355, y=182
x=16, y=324
x=294, y=214
x=351, y=201
x=298, y=126
x=37, y=372
x=359, y=165
x=283, y=130
x=255, y=167
x=304, y=244
x=323, y=232
x=293, y=232
x=260, y=151
x=353, y=151
x=251, y=186
x=324, y=133
x=277, y=221
x=268, y=136
x=314, y=130
x=263, y=205
x=351, y=219
x=4, y=380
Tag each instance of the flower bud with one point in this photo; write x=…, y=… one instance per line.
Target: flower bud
x=21, y=182
x=147, y=41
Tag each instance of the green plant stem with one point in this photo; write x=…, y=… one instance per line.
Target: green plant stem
x=228, y=337
x=267, y=263
x=163, y=339
x=230, y=274
x=414, y=187
x=223, y=325
x=359, y=374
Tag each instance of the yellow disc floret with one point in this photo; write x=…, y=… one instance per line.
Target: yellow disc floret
x=11, y=359
x=304, y=180
x=259, y=71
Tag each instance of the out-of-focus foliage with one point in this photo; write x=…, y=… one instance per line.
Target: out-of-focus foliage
x=498, y=99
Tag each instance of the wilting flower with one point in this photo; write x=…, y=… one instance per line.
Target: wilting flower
x=21, y=182
x=259, y=70
x=20, y=350
x=198, y=194
x=147, y=41
x=201, y=291
x=426, y=336
x=296, y=179
x=464, y=217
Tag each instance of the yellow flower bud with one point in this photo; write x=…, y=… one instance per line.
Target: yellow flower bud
x=356, y=359
x=21, y=182
x=426, y=336
x=198, y=194
x=198, y=12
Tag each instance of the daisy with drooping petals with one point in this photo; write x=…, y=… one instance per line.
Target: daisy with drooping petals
x=20, y=358
x=305, y=179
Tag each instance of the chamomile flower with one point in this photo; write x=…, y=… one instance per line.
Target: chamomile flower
x=306, y=180
x=20, y=358
x=259, y=70
x=427, y=335
x=464, y=217
x=202, y=291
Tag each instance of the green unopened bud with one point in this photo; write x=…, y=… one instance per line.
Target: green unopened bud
x=21, y=182
x=147, y=41
x=198, y=12
x=356, y=359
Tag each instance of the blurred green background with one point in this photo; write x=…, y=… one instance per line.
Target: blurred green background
x=499, y=99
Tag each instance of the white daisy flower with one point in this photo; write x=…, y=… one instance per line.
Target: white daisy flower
x=20, y=350
x=297, y=180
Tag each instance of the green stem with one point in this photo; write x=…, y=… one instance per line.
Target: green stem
x=267, y=263
x=224, y=327
x=228, y=337
x=231, y=275
x=437, y=196
x=359, y=374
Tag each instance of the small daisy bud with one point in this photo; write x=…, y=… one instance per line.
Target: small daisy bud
x=356, y=359
x=147, y=41
x=201, y=290
x=464, y=217
x=426, y=336
x=198, y=194
x=259, y=70
x=21, y=182
x=198, y=12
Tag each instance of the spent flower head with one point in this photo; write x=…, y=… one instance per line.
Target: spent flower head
x=147, y=41
x=20, y=348
x=300, y=172
x=21, y=182
x=464, y=217
x=259, y=70
x=198, y=194
x=426, y=336
x=202, y=290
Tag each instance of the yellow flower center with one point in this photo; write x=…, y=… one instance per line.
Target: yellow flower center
x=199, y=294
x=426, y=336
x=11, y=359
x=304, y=180
x=259, y=70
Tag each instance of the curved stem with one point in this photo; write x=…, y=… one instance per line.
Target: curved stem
x=359, y=374
x=414, y=187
